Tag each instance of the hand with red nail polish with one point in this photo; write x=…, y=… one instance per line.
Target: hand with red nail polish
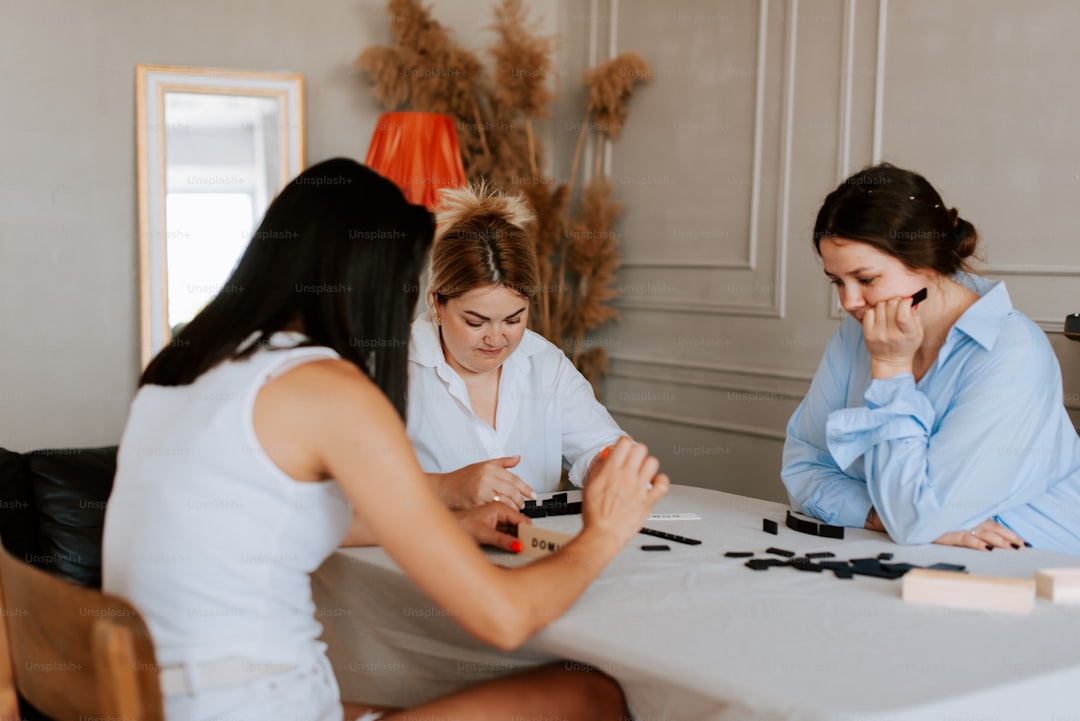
x=488, y=524
x=598, y=461
x=622, y=490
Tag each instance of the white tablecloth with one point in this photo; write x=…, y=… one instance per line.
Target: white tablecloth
x=692, y=635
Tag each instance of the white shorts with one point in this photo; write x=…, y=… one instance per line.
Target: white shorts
x=306, y=693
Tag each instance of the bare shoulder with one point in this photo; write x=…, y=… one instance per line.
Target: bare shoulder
x=330, y=389
x=316, y=412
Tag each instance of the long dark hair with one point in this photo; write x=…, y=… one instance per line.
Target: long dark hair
x=340, y=249
x=898, y=212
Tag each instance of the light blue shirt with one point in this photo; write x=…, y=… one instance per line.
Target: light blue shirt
x=983, y=435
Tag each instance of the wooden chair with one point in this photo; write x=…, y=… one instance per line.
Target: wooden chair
x=73, y=652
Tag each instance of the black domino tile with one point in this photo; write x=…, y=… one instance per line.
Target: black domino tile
x=533, y=511
x=762, y=564
x=898, y=568
x=770, y=526
x=780, y=552
x=827, y=531
x=670, y=537
x=812, y=528
x=800, y=524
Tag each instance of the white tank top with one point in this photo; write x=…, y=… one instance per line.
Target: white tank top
x=204, y=534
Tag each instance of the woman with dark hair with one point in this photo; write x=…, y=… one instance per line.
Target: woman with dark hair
x=495, y=410
x=940, y=420
x=270, y=432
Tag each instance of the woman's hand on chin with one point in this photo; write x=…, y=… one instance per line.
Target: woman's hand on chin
x=893, y=332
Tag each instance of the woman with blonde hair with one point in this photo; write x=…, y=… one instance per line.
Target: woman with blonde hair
x=495, y=410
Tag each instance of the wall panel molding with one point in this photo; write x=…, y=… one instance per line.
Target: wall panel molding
x=879, y=79
x=705, y=306
x=847, y=70
x=755, y=170
x=854, y=14
x=703, y=423
x=707, y=384
x=776, y=308
x=756, y=371
x=783, y=211
x=759, y=132
x=1033, y=270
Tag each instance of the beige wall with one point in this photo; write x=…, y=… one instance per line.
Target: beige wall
x=724, y=161
x=758, y=110
x=68, y=252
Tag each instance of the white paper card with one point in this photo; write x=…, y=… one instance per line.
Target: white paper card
x=674, y=517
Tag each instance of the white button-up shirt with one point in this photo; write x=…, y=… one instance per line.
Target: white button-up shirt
x=547, y=412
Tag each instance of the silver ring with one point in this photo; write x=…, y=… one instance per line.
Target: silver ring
x=497, y=500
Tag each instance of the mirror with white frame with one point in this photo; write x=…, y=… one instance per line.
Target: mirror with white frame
x=214, y=148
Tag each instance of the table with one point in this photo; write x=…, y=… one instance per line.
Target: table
x=694, y=636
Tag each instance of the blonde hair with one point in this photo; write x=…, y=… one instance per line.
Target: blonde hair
x=481, y=240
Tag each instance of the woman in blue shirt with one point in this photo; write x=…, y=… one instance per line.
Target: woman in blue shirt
x=935, y=421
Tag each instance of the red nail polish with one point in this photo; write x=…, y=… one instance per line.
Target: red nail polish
x=516, y=547
x=605, y=453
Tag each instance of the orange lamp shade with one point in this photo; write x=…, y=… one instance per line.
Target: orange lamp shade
x=419, y=152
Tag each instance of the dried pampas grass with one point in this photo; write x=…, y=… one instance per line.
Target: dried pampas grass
x=593, y=364
x=384, y=66
x=593, y=255
x=548, y=200
x=611, y=84
x=523, y=63
x=429, y=71
x=577, y=248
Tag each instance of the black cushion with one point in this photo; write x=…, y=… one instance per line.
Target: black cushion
x=71, y=488
x=18, y=523
x=57, y=508
x=52, y=513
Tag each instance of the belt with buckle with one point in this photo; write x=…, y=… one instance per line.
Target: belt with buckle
x=192, y=678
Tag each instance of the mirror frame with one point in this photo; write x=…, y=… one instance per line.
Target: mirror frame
x=152, y=82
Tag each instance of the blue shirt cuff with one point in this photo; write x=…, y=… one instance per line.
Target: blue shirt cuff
x=894, y=409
